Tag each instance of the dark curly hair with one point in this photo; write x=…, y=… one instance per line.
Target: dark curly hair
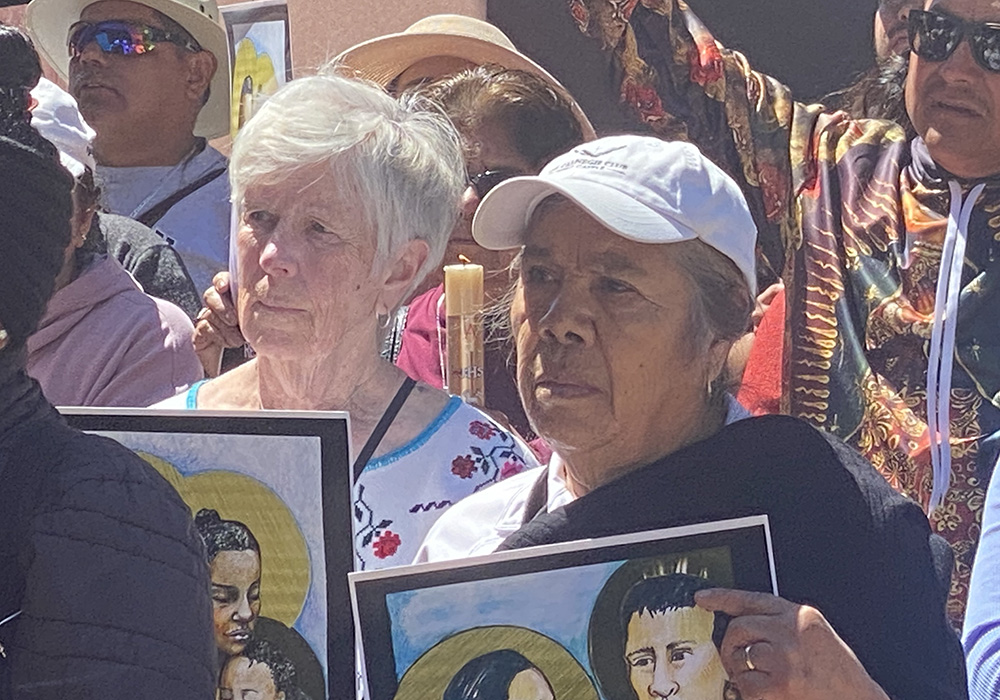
x=223, y=535
x=261, y=651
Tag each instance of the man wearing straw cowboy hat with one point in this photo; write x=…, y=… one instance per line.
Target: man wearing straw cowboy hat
x=152, y=78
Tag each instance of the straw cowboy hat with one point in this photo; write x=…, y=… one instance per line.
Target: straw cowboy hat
x=49, y=21
x=384, y=58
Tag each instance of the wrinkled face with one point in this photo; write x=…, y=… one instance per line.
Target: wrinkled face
x=242, y=680
x=890, y=27
x=529, y=684
x=955, y=104
x=235, y=598
x=671, y=655
x=117, y=91
x=305, y=256
x=604, y=356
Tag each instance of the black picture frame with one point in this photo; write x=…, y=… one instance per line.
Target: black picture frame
x=747, y=539
x=331, y=428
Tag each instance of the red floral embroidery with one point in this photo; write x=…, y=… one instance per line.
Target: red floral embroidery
x=463, y=466
x=387, y=544
x=510, y=469
x=705, y=64
x=644, y=99
x=481, y=430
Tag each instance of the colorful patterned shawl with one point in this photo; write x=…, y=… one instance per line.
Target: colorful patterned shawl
x=852, y=217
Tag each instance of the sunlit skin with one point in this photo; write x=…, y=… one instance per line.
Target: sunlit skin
x=607, y=371
x=235, y=598
x=126, y=99
x=671, y=655
x=955, y=104
x=242, y=680
x=302, y=244
x=529, y=684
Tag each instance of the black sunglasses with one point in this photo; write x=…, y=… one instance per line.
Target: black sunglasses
x=485, y=181
x=124, y=38
x=935, y=36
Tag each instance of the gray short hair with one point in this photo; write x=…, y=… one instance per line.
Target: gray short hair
x=403, y=158
x=721, y=305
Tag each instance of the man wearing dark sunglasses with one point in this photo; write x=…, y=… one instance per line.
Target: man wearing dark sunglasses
x=152, y=79
x=889, y=247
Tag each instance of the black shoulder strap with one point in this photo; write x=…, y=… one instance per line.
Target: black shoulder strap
x=383, y=425
x=157, y=211
x=538, y=497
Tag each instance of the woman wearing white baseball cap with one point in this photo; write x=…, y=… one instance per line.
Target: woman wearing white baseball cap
x=636, y=276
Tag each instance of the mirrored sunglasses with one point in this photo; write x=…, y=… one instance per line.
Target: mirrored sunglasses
x=485, y=181
x=124, y=38
x=935, y=36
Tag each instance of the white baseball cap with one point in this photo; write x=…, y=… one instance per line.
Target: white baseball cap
x=57, y=118
x=642, y=188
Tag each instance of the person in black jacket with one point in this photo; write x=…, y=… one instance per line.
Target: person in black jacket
x=103, y=582
x=636, y=276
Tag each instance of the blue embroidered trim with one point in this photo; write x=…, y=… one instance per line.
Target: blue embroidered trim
x=416, y=443
x=192, y=395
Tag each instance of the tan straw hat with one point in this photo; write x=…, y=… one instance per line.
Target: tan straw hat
x=49, y=21
x=384, y=58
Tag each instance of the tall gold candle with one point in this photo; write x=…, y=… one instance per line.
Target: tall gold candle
x=463, y=301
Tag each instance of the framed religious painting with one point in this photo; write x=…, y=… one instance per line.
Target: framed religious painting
x=601, y=619
x=270, y=495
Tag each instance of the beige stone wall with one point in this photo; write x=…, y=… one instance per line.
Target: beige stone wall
x=323, y=28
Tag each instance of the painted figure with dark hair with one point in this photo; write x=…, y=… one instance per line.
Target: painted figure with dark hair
x=262, y=672
x=234, y=567
x=503, y=674
x=234, y=562
x=670, y=646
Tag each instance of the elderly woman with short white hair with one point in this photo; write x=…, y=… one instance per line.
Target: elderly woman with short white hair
x=636, y=277
x=346, y=199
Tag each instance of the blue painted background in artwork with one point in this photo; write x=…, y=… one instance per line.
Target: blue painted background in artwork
x=295, y=479
x=421, y=618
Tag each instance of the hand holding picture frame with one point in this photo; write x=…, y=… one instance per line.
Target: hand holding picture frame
x=601, y=619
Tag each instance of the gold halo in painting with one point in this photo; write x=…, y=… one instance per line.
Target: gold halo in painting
x=285, y=566
x=429, y=675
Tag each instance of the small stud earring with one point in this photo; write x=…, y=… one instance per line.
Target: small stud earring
x=4, y=338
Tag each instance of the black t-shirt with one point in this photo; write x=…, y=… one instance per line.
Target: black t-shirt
x=844, y=541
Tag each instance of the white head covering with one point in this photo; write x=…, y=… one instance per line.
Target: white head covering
x=57, y=118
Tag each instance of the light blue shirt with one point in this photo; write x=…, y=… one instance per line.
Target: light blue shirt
x=981, y=635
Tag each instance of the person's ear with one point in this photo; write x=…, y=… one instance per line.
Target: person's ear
x=201, y=67
x=716, y=356
x=401, y=277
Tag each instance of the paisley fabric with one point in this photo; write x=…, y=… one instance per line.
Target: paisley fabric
x=853, y=217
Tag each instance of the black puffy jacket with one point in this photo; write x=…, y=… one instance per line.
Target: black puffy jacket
x=99, y=557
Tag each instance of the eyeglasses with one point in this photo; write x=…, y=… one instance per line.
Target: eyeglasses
x=935, y=36
x=488, y=179
x=124, y=38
